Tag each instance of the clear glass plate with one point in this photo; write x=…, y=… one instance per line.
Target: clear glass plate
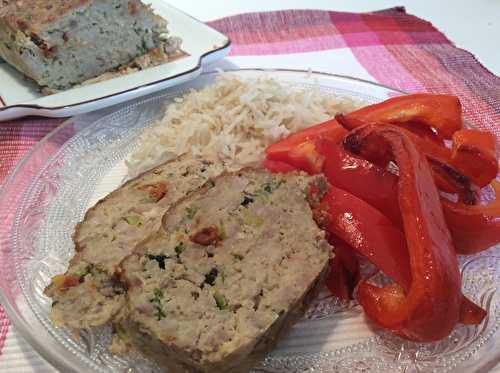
x=83, y=160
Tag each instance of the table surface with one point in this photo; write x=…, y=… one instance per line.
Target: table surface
x=473, y=27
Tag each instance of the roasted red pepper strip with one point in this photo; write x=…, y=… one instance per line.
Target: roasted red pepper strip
x=474, y=153
x=431, y=308
x=328, y=130
x=304, y=157
x=338, y=281
x=344, y=274
x=370, y=233
x=367, y=230
x=441, y=112
x=446, y=177
x=474, y=228
x=430, y=148
x=361, y=178
x=423, y=131
x=470, y=313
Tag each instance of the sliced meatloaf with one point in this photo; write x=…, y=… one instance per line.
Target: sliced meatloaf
x=60, y=43
x=89, y=293
x=233, y=267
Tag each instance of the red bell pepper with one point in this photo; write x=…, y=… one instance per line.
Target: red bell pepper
x=414, y=112
x=474, y=228
x=430, y=148
x=338, y=281
x=447, y=178
x=470, y=313
x=431, y=308
x=363, y=179
x=359, y=227
x=474, y=153
x=427, y=133
x=367, y=231
x=441, y=112
x=473, y=156
x=451, y=181
x=330, y=129
x=344, y=272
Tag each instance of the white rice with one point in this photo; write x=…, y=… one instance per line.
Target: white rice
x=233, y=120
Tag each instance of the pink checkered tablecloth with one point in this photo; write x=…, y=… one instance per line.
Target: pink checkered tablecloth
x=389, y=46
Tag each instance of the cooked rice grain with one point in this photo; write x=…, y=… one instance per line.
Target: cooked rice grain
x=234, y=120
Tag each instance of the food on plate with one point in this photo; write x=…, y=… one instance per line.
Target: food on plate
x=59, y=44
x=215, y=286
x=443, y=113
x=348, y=218
x=429, y=309
x=233, y=268
x=92, y=292
x=446, y=175
x=234, y=119
x=89, y=293
x=390, y=211
x=202, y=265
x=472, y=161
x=474, y=228
x=373, y=198
x=474, y=154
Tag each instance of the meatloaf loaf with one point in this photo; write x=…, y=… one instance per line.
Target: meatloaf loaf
x=60, y=43
x=89, y=293
x=233, y=267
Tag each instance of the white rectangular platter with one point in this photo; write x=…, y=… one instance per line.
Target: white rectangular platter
x=202, y=44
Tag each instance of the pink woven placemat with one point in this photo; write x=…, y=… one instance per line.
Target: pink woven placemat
x=395, y=48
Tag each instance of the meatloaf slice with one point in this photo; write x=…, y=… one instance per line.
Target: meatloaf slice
x=89, y=293
x=60, y=43
x=234, y=266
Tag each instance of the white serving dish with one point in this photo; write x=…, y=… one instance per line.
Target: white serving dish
x=202, y=44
